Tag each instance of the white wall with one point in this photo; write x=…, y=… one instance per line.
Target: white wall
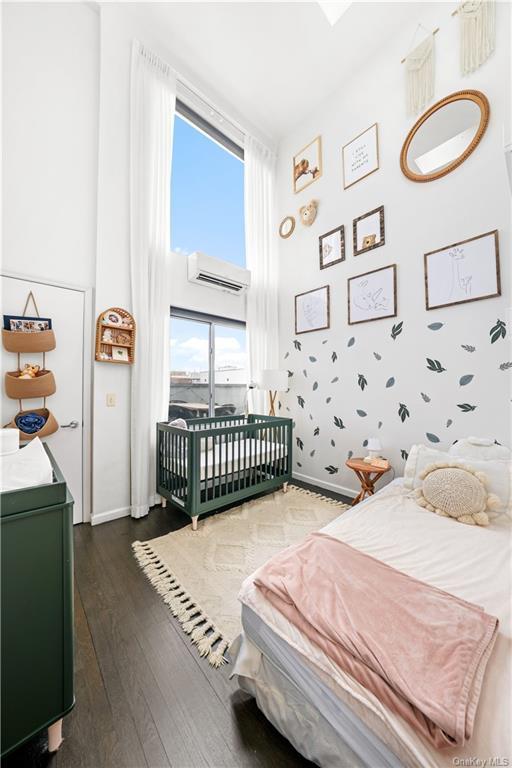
x=50, y=111
x=418, y=218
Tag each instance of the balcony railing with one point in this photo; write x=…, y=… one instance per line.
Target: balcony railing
x=188, y=401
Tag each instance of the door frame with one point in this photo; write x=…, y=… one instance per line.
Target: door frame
x=87, y=379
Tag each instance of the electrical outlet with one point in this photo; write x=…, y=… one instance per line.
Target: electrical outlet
x=111, y=399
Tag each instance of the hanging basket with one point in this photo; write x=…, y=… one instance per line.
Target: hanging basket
x=49, y=427
x=42, y=385
x=38, y=341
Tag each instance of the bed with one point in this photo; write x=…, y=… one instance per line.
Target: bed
x=327, y=715
x=213, y=462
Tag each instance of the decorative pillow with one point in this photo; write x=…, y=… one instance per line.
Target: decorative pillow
x=483, y=448
x=497, y=470
x=454, y=490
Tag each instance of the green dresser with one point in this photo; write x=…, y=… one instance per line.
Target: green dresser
x=36, y=530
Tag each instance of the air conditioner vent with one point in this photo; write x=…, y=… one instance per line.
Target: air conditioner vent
x=215, y=273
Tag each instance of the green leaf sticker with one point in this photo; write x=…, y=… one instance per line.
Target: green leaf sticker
x=435, y=326
x=466, y=379
x=377, y=356
x=316, y=432
x=403, y=412
x=351, y=341
x=287, y=355
x=505, y=366
x=297, y=345
x=361, y=381
x=312, y=359
x=312, y=453
x=336, y=378
x=498, y=331
x=425, y=397
x=315, y=386
x=468, y=347
x=328, y=400
x=396, y=330
x=379, y=425
x=333, y=443
x=390, y=382
x=435, y=365
x=449, y=423
x=299, y=442
x=466, y=407
x=361, y=413
x=338, y=423
x=432, y=438
x=331, y=470
x=334, y=357
x=300, y=401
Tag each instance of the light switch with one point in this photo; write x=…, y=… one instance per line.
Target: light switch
x=111, y=399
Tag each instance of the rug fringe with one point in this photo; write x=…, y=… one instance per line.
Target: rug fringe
x=203, y=632
x=306, y=492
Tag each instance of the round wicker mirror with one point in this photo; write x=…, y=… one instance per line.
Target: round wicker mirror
x=445, y=136
x=287, y=226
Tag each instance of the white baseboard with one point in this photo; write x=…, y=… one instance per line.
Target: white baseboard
x=325, y=484
x=111, y=514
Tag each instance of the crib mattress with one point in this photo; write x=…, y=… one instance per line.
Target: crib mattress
x=230, y=458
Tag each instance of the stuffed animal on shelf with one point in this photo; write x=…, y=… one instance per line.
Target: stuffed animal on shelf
x=107, y=335
x=308, y=213
x=29, y=371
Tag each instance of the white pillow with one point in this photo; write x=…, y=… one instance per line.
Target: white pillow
x=28, y=466
x=479, y=448
x=497, y=470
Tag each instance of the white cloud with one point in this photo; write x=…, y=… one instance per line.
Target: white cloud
x=194, y=351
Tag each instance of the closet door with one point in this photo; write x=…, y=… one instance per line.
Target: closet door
x=66, y=308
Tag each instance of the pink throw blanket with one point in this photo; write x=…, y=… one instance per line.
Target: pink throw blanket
x=420, y=650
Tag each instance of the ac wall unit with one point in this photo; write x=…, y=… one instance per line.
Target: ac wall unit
x=215, y=273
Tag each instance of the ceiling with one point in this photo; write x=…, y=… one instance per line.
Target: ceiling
x=276, y=61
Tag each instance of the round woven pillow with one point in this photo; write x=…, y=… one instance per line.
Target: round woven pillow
x=455, y=491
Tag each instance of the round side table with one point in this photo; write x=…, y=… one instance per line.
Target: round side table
x=367, y=475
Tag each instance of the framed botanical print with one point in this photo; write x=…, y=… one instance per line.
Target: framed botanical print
x=307, y=165
x=360, y=157
x=332, y=247
x=368, y=231
x=462, y=272
x=372, y=295
x=312, y=310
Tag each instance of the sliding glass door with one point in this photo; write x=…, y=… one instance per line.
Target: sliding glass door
x=208, y=373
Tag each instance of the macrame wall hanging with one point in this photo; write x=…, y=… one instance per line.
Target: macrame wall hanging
x=419, y=69
x=477, y=33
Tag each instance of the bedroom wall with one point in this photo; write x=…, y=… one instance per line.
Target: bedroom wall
x=326, y=365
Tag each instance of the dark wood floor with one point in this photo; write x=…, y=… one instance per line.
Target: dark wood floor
x=144, y=698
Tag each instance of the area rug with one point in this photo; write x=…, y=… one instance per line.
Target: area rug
x=199, y=573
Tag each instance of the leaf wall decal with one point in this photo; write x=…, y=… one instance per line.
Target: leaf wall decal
x=312, y=359
x=312, y=453
x=379, y=425
x=449, y=423
x=290, y=374
x=287, y=355
x=361, y=413
x=338, y=422
x=505, y=366
x=466, y=379
x=334, y=357
x=404, y=454
x=300, y=401
x=328, y=400
x=433, y=438
x=336, y=378
x=468, y=347
x=305, y=373
x=435, y=326
x=350, y=454
x=466, y=407
x=333, y=443
x=361, y=381
x=297, y=345
x=377, y=356
x=316, y=432
x=299, y=464
x=425, y=397
x=403, y=412
x=351, y=341
x=498, y=331
x=390, y=382
x=331, y=469
x=299, y=442
x=315, y=386
x=397, y=330
x=435, y=365
x=365, y=443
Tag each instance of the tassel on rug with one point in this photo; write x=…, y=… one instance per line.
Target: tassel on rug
x=419, y=65
x=477, y=33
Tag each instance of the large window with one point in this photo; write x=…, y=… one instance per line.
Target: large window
x=208, y=366
x=207, y=190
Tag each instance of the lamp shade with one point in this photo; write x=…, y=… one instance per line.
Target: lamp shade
x=274, y=381
x=374, y=444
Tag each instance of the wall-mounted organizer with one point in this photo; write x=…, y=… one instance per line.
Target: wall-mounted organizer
x=23, y=334
x=115, y=337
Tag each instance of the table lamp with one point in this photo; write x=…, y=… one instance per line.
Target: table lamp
x=274, y=382
x=374, y=447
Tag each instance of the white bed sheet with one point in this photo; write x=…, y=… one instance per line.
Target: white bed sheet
x=468, y=561
x=229, y=457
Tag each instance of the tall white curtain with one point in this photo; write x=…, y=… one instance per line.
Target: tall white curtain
x=152, y=107
x=261, y=258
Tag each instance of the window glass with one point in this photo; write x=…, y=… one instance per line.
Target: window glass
x=189, y=395
x=207, y=196
x=230, y=377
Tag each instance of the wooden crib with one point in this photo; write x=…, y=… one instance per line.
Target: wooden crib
x=221, y=460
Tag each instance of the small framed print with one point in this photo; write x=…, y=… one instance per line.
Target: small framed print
x=368, y=231
x=332, y=247
x=360, y=157
x=312, y=310
x=307, y=165
x=120, y=354
x=462, y=272
x=372, y=295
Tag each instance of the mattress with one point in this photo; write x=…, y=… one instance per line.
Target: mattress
x=230, y=458
x=468, y=561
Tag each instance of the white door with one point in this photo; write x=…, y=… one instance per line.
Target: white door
x=66, y=308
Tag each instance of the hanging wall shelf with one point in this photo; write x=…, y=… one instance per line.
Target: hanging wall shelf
x=115, y=337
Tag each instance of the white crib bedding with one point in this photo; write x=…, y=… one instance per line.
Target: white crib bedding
x=226, y=459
